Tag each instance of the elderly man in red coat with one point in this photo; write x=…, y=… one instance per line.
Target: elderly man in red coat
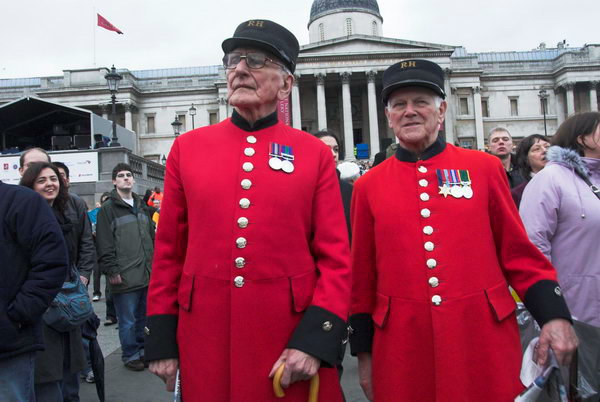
x=252, y=263
x=436, y=242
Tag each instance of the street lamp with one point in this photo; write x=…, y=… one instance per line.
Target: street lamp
x=176, y=126
x=164, y=160
x=192, y=111
x=113, y=78
x=543, y=94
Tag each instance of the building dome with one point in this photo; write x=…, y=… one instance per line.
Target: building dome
x=321, y=8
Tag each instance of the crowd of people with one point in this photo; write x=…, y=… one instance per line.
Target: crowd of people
x=261, y=273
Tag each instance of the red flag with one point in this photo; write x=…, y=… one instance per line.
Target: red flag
x=103, y=22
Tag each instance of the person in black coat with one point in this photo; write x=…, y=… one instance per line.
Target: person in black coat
x=57, y=368
x=34, y=265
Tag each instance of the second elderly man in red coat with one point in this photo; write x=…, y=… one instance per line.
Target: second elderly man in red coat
x=251, y=265
x=436, y=242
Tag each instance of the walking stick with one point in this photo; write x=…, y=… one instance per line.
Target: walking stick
x=313, y=393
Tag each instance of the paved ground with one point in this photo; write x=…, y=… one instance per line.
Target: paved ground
x=125, y=385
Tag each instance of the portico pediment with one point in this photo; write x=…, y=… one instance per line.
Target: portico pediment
x=361, y=44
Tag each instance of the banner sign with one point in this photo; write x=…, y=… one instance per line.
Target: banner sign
x=83, y=166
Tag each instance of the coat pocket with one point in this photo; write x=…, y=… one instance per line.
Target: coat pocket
x=501, y=301
x=186, y=289
x=303, y=287
x=382, y=310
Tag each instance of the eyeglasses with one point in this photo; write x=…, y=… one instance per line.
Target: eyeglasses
x=254, y=60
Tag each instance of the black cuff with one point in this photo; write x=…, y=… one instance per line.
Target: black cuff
x=160, y=340
x=545, y=302
x=361, y=334
x=320, y=333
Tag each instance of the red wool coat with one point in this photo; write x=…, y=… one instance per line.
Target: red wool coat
x=432, y=272
x=248, y=261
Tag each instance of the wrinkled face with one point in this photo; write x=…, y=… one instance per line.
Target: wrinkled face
x=124, y=180
x=252, y=88
x=501, y=144
x=32, y=157
x=537, y=155
x=414, y=117
x=333, y=145
x=47, y=185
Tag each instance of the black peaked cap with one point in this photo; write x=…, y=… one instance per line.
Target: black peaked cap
x=413, y=73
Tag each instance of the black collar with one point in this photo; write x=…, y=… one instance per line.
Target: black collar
x=259, y=124
x=404, y=155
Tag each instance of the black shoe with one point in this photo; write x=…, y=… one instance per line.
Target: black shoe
x=135, y=365
x=110, y=321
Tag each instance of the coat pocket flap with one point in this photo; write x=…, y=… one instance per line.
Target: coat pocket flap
x=186, y=289
x=303, y=287
x=501, y=301
x=382, y=309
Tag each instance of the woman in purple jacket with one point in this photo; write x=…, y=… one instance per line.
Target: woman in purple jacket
x=562, y=214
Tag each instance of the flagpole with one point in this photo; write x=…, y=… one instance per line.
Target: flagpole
x=94, y=28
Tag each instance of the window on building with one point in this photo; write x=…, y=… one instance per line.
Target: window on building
x=374, y=24
x=322, y=32
x=514, y=106
x=181, y=118
x=213, y=118
x=150, y=128
x=348, y=26
x=464, y=106
x=485, y=110
x=466, y=143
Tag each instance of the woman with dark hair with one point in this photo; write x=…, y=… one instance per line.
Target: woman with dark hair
x=561, y=212
x=530, y=159
x=56, y=368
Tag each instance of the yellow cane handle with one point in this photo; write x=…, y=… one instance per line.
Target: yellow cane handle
x=313, y=393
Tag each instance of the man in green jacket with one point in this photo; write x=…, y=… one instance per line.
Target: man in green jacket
x=125, y=244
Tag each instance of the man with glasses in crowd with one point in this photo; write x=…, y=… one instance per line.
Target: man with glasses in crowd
x=251, y=269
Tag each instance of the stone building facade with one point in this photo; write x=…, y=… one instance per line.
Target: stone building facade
x=338, y=86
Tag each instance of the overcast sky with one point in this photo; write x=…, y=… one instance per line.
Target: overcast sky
x=44, y=37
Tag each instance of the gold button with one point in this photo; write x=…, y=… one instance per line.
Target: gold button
x=429, y=246
x=242, y=222
x=240, y=242
x=238, y=281
x=424, y=197
x=431, y=263
x=436, y=300
x=246, y=184
x=251, y=139
x=422, y=169
x=434, y=282
x=327, y=326
x=423, y=183
x=248, y=166
x=245, y=203
x=240, y=262
x=428, y=230
x=425, y=213
x=249, y=151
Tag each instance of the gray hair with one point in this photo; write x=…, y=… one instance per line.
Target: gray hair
x=497, y=130
x=436, y=99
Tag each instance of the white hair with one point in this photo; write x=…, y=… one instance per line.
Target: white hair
x=436, y=99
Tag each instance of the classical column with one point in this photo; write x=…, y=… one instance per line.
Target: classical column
x=128, y=120
x=373, y=121
x=347, y=110
x=222, y=109
x=104, y=109
x=321, y=109
x=449, y=121
x=569, y=86
x=296, y=116
x=559, y=105
x=594, y=96
x=478, y=118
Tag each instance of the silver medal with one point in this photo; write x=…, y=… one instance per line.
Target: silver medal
x=275, y=163
x=287, y=166
x=456, y=191
x=467, y=192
